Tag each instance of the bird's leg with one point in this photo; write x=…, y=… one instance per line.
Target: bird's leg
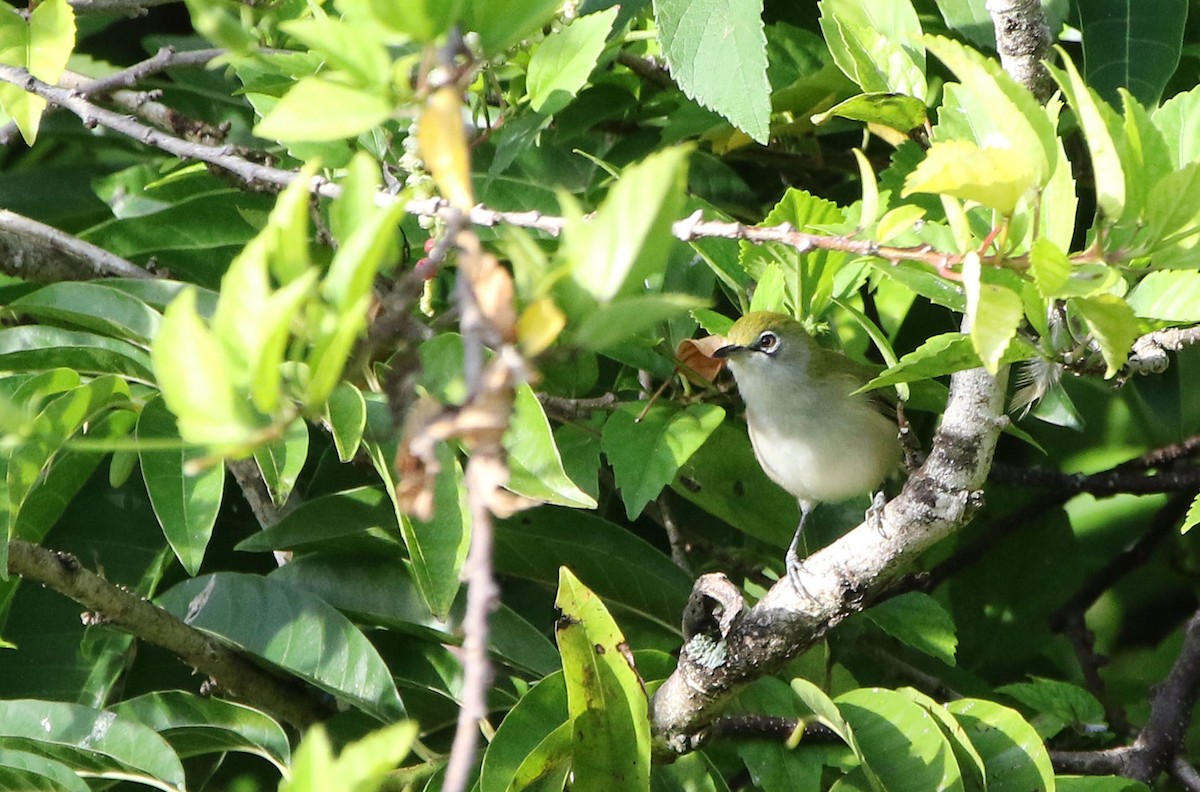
x=874, y=514
x=794, y=565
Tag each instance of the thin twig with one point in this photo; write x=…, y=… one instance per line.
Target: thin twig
x=1157, y=746
x=165, y=58
x=1103, y=484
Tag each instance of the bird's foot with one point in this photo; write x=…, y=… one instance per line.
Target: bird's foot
x=874, y=514
x=795, y=571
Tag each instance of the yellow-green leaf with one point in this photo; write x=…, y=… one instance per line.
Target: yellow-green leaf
x=994, y=313
x=317, y=109
x=1050, y=267
x=1114, y=327
x=990, y=176
x=193, y=375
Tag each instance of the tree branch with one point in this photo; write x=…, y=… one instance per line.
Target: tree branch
x=165, y=58
x=1023, y=41
x=40, y=253
x=62, y=572
x=1157, y=746
x=726, y=647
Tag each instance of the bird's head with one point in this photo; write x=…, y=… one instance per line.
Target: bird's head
x=765, y=341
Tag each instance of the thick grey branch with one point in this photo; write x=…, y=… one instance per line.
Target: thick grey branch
x=63, y=573
x=1023, y=41
x=40, y=253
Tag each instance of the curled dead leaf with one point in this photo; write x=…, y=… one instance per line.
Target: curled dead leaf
x=491, y=285
x=695, y=356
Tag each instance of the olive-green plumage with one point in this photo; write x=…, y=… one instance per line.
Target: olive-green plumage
x=810, y=434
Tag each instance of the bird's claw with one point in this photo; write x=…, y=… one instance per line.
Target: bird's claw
x=795, y=570
x=874, y=513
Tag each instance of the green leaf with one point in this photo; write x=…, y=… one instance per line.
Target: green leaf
x=351, y=44
x=1013, y=754
x=876, y=44
x=92, y=741
x=770, y=294
x=941, y=355
x=969, y=761
x=919, y=621
x=1103, y=132
x=195, y=725
x=423, y=20
x=292, y=629
x=1069, y=704
x=616, y=564
x=646, y=454
x=28, y=771
x=529, y=743
x=185, y=502
x=43, y=47
x=560, y=66
x=501, y=25
x=91, y=306
x=347, y=289
x=535, y=464
x=1123, y=48
x=1193, y=516
x=54, y=426
x=921, y=279
x=1113, y=325
x=994, y=177
x=438, y=547
x=628, y=238
x=1173, y=210
x=281, y=460
x=898, y=111
x=995, y=312
x=1169, y=295
x=829, y=714
x=346, y=414
x=605, y=697
x=378, y=589
x=360, y=521
x=362, y=765
x=627, y=318
x=1003, y=114
x=34, y=348
x=302, y=115
x=896, y=742
x=809, y=276
x=197, y=387
x=1050, y=267
x=717, y=52
x=1176, y=121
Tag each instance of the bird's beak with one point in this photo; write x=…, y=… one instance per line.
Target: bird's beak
x=727, y=351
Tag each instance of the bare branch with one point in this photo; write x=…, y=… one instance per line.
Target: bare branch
x=1157, y=747
x=165, y=58
x=40, y=253
x=1023, y=41
x=62, y=572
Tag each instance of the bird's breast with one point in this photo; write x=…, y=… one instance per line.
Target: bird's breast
x=828, y=457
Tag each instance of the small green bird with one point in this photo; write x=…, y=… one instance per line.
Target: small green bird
x=811, y=436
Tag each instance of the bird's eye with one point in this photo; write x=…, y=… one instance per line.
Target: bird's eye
x=768, y=341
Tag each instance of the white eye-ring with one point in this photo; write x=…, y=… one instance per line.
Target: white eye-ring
x=767, y=341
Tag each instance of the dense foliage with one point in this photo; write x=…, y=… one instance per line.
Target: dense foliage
x=303, y=308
